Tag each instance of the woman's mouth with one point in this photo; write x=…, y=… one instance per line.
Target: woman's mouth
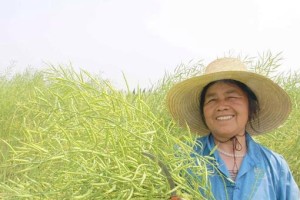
x=225, y=117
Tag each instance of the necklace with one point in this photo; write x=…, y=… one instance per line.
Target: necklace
x=231, y=155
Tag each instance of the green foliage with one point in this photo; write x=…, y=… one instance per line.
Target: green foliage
x=71, y=135
x=15, y=91
x=79, y=138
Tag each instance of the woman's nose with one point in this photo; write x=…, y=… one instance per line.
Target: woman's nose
x=222, y=105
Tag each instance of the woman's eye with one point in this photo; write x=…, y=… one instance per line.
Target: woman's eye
x=233, y=97
x=210, y=100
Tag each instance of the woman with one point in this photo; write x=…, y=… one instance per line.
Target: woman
x=226, y=106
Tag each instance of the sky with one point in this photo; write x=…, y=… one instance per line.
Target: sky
x=143, y=38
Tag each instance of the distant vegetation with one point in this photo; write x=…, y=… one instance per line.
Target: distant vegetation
x=70, y=135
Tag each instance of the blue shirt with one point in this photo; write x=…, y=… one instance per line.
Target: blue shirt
x=263, y=174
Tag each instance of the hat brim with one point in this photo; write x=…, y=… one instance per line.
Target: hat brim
x=183, y=101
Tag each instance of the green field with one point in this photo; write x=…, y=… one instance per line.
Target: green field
x=66, y=134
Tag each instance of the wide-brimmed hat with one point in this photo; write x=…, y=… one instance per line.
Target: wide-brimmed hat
x=183, y=99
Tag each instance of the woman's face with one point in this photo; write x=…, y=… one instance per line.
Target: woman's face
x=226, y=110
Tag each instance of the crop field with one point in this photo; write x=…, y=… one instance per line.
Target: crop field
x=67, y=134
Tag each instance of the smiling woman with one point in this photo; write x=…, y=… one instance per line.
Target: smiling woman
x=225, y=112
x=225, y=109
x=226, y=106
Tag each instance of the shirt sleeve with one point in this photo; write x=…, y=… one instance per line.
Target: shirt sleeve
x=288, y=189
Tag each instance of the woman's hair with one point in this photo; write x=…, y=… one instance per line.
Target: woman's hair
x=253, y=104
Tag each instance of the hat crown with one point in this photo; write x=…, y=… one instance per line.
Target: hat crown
x=225, y=64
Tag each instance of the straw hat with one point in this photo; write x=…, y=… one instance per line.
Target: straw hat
x=183, y=99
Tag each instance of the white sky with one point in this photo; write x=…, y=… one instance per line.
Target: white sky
x=143, y=38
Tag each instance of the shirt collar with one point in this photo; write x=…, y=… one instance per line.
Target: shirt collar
x=251, y=160
x=253, y=150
